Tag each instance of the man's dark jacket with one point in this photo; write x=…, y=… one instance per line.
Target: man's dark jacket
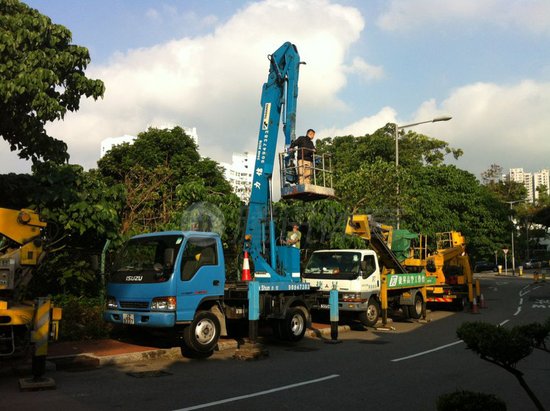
x=304, y=142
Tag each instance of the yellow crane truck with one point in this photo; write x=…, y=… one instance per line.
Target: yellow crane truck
x=448, y=272
x=450, y=265
x=21, y=251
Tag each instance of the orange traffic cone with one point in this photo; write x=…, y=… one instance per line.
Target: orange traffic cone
x=245, y=276
x=482, y=303
x=475, y=308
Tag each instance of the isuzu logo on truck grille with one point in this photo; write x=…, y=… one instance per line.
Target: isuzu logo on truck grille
x=134, y=277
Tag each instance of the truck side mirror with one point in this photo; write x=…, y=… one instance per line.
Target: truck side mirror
x=169, y=257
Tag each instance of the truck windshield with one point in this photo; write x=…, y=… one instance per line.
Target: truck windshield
x=333, y=264
x=146, y=259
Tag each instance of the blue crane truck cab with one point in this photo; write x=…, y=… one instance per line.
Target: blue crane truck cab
x=162, y=280
x=163, y=267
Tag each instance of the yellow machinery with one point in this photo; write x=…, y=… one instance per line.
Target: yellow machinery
x=21, y=251
x=448, y=270
x=400, y=251
x=451, y=267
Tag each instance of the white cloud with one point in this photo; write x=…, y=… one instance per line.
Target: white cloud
x=527, y=15
x=363, y=126
x=365, y=70
x=166, y=14
x=213, y=82
x=503, y=124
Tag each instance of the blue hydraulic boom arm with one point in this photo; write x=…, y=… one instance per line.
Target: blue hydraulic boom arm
x=279, y=98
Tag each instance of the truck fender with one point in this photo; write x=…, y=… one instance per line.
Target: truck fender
x=217, y=311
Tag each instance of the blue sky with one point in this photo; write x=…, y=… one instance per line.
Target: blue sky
x=202, y=63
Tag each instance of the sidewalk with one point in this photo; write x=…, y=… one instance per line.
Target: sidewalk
x=72, y=355
x=527, y=274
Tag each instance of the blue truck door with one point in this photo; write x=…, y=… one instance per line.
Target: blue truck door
x=202, y=275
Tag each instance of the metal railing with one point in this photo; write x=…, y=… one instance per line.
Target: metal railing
x=317, y=171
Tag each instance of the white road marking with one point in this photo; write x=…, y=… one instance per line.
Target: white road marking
x=520, y=301
x=504, y=322
x=427, y=352
x=257, y=394
x=518, y=311
x=522, y=293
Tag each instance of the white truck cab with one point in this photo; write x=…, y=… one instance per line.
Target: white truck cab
x=356, y=276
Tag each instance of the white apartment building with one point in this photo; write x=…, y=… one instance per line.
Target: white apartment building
x=531, y=181
x=240, y=173
x=110, y=142
x=541, y=178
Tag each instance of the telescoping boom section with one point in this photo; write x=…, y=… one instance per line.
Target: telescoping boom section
x=273, y=263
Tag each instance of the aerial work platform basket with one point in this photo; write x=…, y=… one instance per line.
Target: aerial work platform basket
x=306, y=181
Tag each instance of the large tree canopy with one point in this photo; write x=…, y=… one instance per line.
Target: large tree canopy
x=433, y=197
x=41, y=78
x=161, y=172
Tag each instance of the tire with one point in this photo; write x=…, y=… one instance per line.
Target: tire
x=203, y=333
x=415, y=310
x=459, y=304
x=293, y=327
x=370, y=317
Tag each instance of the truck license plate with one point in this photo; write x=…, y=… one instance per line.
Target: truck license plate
x=127, y=318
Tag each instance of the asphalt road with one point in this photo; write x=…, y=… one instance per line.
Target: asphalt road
x=407, y=368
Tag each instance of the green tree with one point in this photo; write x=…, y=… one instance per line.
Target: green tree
x=371, y=188
x=160, y=163
x=445, y=198
x=349, y=153
x=322, y=224
x=433, y=197
x=81, y=210
x=541, y=211
x=492, y=175
x=41, y=78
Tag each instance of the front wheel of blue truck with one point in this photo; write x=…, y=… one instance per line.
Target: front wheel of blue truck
x=202, y=335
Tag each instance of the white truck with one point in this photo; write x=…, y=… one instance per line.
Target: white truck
x=369, y=281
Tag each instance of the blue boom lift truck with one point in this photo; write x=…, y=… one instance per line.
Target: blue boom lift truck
x=176, y=281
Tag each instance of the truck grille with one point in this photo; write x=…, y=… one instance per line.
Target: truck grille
x=134, y=305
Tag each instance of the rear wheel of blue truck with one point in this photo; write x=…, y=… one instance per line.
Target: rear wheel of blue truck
x=293, y=327
x=369, y=318
x=202, y=335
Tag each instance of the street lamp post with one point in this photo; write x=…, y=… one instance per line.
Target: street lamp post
x=513, y=253
x=397, y=128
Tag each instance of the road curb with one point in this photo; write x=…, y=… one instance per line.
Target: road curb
x=91, y=361
x=323, y=332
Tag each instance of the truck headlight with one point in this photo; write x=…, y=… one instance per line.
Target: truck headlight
x=164, y=304
x=111, y=303
x=351, y=297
